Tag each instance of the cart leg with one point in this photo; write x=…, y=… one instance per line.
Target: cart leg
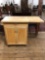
x=36, y=29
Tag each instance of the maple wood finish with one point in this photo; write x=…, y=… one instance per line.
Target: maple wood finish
x=16, y=28
x=22, y=19
x=16, y=33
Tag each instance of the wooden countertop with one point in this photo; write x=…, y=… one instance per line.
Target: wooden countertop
x=22, y=19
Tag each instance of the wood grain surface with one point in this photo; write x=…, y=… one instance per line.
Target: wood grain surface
x=22, y=19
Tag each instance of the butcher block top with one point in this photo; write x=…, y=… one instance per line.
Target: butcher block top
x=22, y=19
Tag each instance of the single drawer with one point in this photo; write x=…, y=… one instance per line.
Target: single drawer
x=21, y=25
x=16, y=25
x=9, y=25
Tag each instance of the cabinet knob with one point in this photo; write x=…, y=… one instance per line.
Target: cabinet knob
x=16, y=31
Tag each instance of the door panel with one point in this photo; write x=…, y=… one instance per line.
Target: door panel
x=22, y=35
x=10, y=34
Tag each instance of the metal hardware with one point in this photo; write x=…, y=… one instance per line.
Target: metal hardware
x=16, y=31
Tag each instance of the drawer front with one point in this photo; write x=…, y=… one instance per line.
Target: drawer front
x=9, y=25
x=21, y=25
x=16, y=25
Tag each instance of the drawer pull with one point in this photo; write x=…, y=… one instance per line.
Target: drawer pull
x=16, y=31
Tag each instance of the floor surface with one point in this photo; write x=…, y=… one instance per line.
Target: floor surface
x=34, y=50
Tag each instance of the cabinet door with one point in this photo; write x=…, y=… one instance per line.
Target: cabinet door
x=22, y=34
x=16, y=34
x=10, y=34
